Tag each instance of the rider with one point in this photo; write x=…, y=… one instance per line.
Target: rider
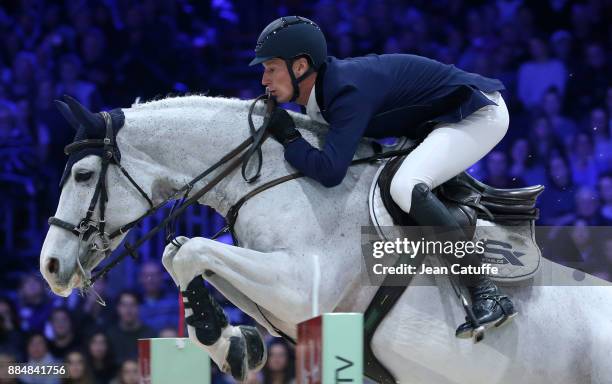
x=381, y=96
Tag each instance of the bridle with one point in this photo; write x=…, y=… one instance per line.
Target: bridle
x=87, y=226
x=88, y=229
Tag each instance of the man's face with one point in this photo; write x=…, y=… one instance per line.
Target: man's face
x=276, y=78
x=60, y=322
x=127, y=309
x=151, y=279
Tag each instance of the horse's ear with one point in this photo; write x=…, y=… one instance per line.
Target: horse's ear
x=65, y=111
x=83, y=115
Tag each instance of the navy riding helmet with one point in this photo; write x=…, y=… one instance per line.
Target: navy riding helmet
x=289, y=38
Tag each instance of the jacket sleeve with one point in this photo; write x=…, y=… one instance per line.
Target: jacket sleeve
x=349, y=114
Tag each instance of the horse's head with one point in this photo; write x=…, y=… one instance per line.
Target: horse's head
x=96, y=202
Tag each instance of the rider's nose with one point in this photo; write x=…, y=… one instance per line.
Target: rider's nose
x=53, y=266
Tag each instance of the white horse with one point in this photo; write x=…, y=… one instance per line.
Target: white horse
x=563, y=334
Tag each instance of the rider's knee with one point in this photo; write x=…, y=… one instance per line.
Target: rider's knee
x=404, y=192
x=420, y=193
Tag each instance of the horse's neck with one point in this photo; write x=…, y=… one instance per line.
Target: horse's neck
x=171, y=144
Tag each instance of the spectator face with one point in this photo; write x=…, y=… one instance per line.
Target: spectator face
x=129, y=373
x=587, y=202
x=32, y=291
x=128, y=309
x=93, y=46
x=541, y=129
x=582, y=146
x=151, y=279
x=61, y=323
x=98, y=346
x=562, y=46
x=37, y=347
x=559, y=172
x=69, y=70
x=605, y=189
x=538, y=49
x=497, y=164
x=277, y=358
x=76, y=365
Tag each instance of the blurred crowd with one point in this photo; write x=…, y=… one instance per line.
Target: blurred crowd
x=98, y=343
x=554, y=56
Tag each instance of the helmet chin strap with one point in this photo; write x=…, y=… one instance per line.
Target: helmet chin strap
x=296, y=81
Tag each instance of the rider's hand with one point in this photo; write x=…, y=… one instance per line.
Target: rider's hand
x=282, y=127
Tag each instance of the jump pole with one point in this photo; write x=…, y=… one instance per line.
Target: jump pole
x=172, y=360
x=330, y=349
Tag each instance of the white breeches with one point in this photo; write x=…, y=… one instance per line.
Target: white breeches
x=450, y=149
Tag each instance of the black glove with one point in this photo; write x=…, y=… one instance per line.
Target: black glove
x=282, y=127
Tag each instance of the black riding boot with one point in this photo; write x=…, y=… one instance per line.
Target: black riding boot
x=489, y=305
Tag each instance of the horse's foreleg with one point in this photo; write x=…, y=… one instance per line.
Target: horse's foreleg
x=246, y=305
x=239, y=299
x=259, y=275
x=233, y=349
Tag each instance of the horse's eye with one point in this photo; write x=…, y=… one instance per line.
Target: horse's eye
x=82, y=176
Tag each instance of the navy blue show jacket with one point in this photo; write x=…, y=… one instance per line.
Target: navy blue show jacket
x=383, y=96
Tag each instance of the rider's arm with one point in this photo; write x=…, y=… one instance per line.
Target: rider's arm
x=349, y=115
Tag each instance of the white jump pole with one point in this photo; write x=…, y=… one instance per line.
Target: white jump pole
x=330, y=346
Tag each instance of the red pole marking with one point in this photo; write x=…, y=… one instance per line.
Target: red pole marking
x=181, y=323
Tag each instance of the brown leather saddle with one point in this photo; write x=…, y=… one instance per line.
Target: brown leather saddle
x=468, y=199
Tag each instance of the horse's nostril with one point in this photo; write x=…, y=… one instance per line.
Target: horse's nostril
x=53, y=265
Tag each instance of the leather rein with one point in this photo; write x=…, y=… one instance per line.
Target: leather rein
x=89, y=229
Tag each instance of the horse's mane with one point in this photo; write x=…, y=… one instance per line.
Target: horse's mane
x=302, y=121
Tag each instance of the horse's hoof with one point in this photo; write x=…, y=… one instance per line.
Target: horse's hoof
x=256, y=348
x=236, y=359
